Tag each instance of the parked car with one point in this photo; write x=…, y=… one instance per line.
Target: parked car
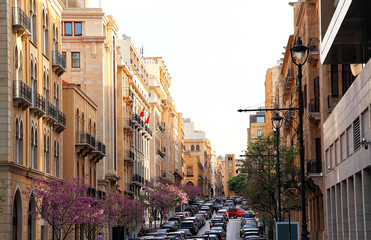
x=217, y=220
x=206, y=214
x=224, y=212
x=189, y=225
x=202, y=218
x=172, y=226
x=177, y=218
x=177, y=235
x=187, y=232
x=195, y=220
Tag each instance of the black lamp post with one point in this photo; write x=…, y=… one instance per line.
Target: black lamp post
x=299, y=56
x=277, y=123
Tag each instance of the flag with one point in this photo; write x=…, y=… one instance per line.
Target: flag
x=147, y=121
x=142, y=113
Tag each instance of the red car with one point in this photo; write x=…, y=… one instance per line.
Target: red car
x=235, y=212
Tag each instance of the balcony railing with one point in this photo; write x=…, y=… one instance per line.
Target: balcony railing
x=84, y=138
x=313, y=111
x=22, y=94
x=21, y=22
x=161, y=154
x=38, y=104
x=314, y=166
x=129, y=156
x=60, y=124
x=59, y=63
x=160, y=128
x=101, y=147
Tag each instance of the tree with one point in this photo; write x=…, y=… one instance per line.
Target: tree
x=94, y=217
x=122, y=211
x=261, y=188
x=61, y=203
x=192, y=191
x=238, y=183
x=162, y=197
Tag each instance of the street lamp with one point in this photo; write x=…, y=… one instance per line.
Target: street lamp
x=277, y=123
x=299, y=56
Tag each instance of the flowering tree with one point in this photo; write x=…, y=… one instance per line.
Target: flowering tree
x=122, y=211
x=61, y=203
x=94, y=217
x=192, y=191
x=163, y=197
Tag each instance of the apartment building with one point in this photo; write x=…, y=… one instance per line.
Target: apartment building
x=32, y=116
x=140, y=114
x=257, y=127
x=345, y=52
x=197, y=158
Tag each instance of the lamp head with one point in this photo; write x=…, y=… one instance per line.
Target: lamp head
x=298, y=49
x=276, y=121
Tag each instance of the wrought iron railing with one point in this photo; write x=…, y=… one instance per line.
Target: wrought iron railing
x=61, y=118
x=22, y=90
x=58, y=59
x=39, y=102
x=313, y=106
x=83, y=138
x=314, y=166
x=21, y=18
x=52, y=110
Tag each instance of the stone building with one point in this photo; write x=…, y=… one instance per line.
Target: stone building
x=32, y=117
x=257, y=127
x=229, y=171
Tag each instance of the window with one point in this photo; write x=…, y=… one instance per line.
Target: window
x=356, y=134
x=33, y=23
x=56, y=158
x=347, y=76
x=334, y=81
x=75, y=56
x=260, y=119
x=77, y=29
x=64, y=57
x=16, y=149
x=67, y=28
x=197, y=148
x=259, y=133
x=46, y=153
x=192, y=148
x=189, y=170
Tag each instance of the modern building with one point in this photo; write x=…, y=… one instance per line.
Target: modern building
x=257, y=127
x=31, y=117
x=345, y=39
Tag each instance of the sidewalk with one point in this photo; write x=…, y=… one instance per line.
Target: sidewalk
x=135, y=232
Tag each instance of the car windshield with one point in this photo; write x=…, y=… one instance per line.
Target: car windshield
x=217, y=228
x=168, y=224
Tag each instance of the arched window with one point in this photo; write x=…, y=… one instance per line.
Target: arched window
x=16, y=141
x=21, y=142
x=36, y=162
x=16, y=63
x=47, y=49
x=17, y=217
x=32, y=147
x=56, y=158
x=33, y=96
x=77, y=120
x=34, y=85
x=46, y=153
x=192, y=148
x=33, y=22
x=82, y=122
x=197, y=148
x=45, y=87
x=31, y=219
x=43, y=33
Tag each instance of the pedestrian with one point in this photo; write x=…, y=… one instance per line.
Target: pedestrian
x=150, y=221
x=100, y=237
x=165, y=216
x=144, y=219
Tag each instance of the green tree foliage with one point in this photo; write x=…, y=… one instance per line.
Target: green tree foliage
x=238, y=183
x=261, y=188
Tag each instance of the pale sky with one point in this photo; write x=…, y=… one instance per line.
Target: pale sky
x=217, y=53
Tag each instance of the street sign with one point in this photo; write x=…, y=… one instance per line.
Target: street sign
x=283, y=233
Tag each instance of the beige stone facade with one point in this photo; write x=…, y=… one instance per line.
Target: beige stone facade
x=32, y=118
x=229, y=171
x=257, y=127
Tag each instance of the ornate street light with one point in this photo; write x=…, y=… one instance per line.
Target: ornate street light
x=277, y=123
x=299, y=56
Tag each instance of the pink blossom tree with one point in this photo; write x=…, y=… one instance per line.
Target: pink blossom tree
x=62, y=204
x=192, y=191
x=94, y=217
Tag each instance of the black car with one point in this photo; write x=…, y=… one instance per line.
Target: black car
x=189, y=225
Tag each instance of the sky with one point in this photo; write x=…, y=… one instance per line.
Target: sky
x=217, y=53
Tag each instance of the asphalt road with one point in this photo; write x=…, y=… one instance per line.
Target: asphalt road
x=233, y=229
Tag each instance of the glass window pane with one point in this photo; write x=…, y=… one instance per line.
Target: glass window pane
x=75, y=60
x=68, y=29
x=78, y=31
x=260, y=119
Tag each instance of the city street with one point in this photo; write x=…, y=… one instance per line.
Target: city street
x=233, y=229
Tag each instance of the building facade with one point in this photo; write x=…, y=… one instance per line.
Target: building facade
x=32, y=116
x=229, y=171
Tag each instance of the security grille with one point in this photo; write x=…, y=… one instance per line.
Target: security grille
x=356, y=134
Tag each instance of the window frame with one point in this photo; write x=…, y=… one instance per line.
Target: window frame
x=74, y=29
x=64, y=28
x=72, y=59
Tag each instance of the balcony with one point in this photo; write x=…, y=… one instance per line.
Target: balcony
x=148, y=131
x=314, y=168
x=60, y=124
x=51, y=114
x=137, y=179
x=22, y=94
x=84, y=143
x=98, y=152
x=21, y=22
x=129, y=157
x=128, y=96
x=332, y=101
x=91, y=192
x=313, y=111
x=128, y=125
x=160, y=153
x=101, y=194
x=38, y=105
x=129, y=188
x=59, y=63
x=313, y=51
